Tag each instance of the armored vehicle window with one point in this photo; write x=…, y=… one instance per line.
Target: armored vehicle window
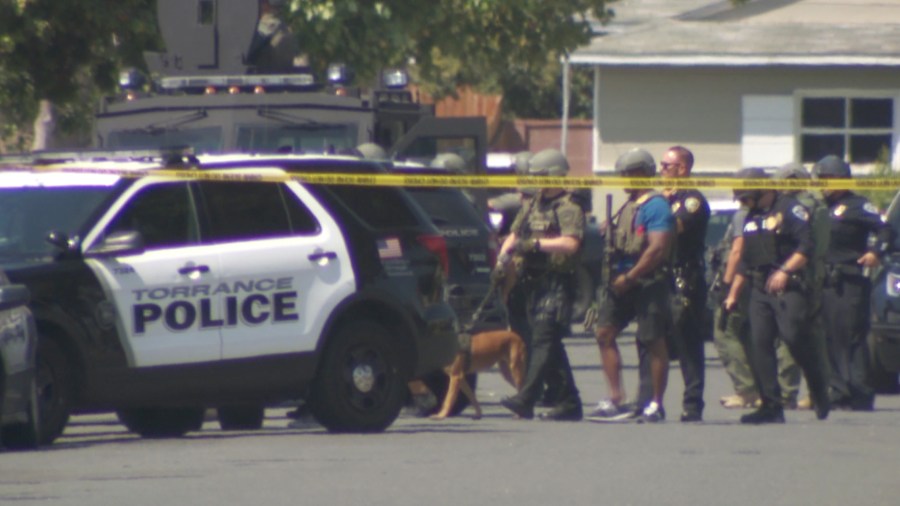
x=162, y=213
x=313, y=137
x=203, y=140
x=251, y=211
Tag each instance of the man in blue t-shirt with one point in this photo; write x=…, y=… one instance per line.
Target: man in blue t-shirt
x=638, y=290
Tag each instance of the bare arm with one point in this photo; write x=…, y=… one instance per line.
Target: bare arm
x=650, y=260
x=561, y=244
x=734, y=257
x=653, y=256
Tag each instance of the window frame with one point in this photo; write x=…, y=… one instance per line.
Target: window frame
x=847, y=131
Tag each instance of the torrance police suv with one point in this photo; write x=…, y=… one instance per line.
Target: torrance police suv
x=160, y=295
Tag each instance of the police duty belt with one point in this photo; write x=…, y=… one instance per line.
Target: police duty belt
x=275, y=174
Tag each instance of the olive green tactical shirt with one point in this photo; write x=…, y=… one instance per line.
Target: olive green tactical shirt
x=547, y=218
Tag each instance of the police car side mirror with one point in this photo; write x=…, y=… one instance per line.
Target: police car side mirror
x=13, y=296
x=126, y=242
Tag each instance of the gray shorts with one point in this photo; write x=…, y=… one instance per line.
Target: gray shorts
x=648, y=304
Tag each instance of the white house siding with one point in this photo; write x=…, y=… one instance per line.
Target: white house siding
x=701, y=107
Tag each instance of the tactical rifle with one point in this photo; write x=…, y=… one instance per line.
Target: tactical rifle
x=608, y=244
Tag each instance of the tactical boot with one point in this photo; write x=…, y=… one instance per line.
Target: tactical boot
x=519, y=408
x=567, y=411
x=765, y=414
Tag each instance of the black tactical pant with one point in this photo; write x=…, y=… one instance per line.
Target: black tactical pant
x=846, y=308
x=785, y=316
x=549, y=307
x=686, y=342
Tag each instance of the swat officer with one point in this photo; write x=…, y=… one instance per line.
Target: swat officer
x=639, y=290
x=777, y=244
x=847, y=287
x=547, y=236
x=691, y=211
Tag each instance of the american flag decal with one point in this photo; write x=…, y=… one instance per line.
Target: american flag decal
x=389, y=248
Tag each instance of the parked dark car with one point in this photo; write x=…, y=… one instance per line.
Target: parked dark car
x=19, y=386
x=472, y=251
x=884, y=338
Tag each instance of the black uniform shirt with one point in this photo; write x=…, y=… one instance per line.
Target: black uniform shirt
x=852, y=218
x=691, y=212
x=772, y=236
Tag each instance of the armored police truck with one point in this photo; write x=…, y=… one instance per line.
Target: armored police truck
x=229, y=80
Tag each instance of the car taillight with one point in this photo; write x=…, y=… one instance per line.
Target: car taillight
x=437, y=245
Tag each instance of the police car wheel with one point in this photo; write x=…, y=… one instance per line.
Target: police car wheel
x=161, y=422
x=54, y=389
x=584, y=294
x=25, y=435
x=438, y=382
x=241, y=417
x=360, y=386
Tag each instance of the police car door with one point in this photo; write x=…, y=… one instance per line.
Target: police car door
x=164, y=285
x=284, y=265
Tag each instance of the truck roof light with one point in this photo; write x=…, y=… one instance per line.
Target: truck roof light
x=275, y=82
x=394, y=78
x=339, y=73
x=131, y=79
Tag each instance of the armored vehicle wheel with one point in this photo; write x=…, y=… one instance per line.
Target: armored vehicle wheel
x=241, y=417
x=161, y=422
x=359, y=386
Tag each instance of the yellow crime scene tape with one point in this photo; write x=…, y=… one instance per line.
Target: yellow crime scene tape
x=475, y=181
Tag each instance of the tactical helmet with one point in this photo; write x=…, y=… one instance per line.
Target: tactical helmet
x=636, y=159
x=371, y=151
x=449, y=161
x=549, y=162
x=749, y=173
x=831, y=166
x=792, y=170
x=521, y=162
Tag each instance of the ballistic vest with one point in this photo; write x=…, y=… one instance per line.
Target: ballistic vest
x=628, y=240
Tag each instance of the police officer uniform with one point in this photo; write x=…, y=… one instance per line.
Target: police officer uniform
x=846, y=296
x=771, y=236
x=548, y=285
x=691, y=211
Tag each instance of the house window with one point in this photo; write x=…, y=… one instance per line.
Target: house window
x=856, y=129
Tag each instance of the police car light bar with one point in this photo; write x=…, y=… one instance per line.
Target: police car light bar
x=252, y=83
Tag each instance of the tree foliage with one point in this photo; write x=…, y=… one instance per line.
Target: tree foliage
x=69, y=51
x=497, y=46
x=65, y=51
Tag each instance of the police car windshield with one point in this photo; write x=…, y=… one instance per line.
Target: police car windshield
x=33, y=205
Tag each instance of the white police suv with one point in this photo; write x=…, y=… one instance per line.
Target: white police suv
x=161, y=293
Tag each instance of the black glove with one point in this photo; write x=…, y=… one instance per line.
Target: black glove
x=498, y=274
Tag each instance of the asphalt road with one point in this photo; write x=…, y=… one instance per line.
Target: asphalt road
x=852, y=458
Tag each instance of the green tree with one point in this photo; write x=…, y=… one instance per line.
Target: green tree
x=511, y=47
x=68, y=52
x=65, y=52
x=882, y=197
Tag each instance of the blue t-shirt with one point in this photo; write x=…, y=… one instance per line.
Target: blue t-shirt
x=655, y=216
